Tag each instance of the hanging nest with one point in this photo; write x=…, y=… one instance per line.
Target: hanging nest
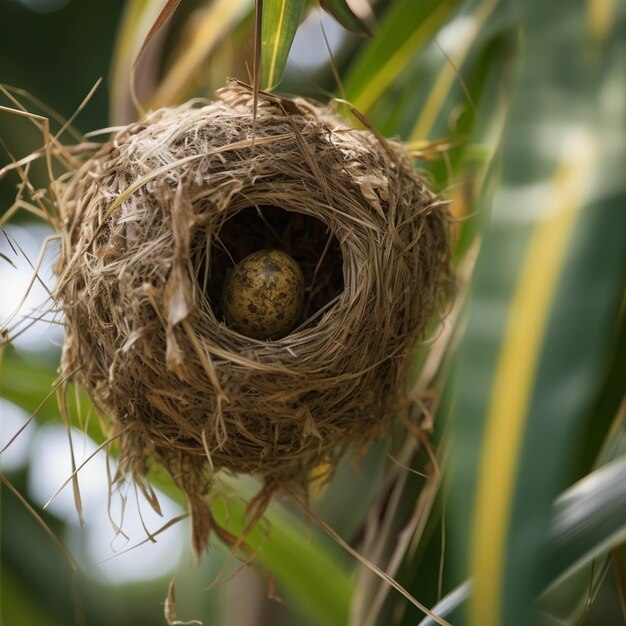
x=153, y=224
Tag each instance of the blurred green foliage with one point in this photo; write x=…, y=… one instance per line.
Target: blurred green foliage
x=516, y=111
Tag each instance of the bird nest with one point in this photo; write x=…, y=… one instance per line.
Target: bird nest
x=154, y=221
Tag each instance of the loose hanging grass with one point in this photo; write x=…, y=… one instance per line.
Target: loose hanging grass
x=152, y=223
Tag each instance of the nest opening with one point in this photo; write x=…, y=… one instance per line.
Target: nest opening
x=307, y=239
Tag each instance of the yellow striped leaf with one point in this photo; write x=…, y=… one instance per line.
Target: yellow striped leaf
x=280, y=20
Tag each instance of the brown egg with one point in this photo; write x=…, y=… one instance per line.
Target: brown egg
x=263, y=295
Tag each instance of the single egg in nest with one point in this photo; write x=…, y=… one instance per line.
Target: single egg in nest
x=263, y=295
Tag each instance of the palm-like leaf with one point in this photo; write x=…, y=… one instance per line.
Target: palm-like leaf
x=544, y=313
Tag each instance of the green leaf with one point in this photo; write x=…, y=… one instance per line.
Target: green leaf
x=619, y=561
x=449, y=605
x=545, y=309
x=588, y=520
x=27, y=383
x=404, y=30
x=280, y=20
x=302, y=563
x=448, y=77
x=568, y=590
x=31, y=385
x=340, y=10
x=600, y=449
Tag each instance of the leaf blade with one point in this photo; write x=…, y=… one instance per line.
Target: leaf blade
x=404, y=30
x=280, y=20
x=304, y=566
x=342, y=12
x=589, y=519
x=212, y=26
x=137, y=18
x=166, y=13
x=581, y=325
x=448, y=605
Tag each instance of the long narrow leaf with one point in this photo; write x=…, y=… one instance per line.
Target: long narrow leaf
x=567, y=588
x=166, y=13
x=404, y=30
x=138, y=18
x=212, y=25
x=307, y=571
x=589, y=519
x=545, y=309
x=281, y=19
x=342, y=12
x=450, y=604
x=433, y=106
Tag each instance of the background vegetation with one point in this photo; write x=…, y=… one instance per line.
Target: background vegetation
x=511, y=511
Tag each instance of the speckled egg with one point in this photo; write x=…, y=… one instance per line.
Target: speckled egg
x=263, y=295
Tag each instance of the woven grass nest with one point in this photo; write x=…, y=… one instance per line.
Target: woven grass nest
x=154, y=221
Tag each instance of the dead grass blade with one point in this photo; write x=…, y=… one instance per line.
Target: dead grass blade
x=30, y=419
x=371, y=566
x=169, y=610
x=33, y=278
x=151, y=536
x=333, y=64
x=50, y=112
x=75, y=469
x=78, y=111
x=43, y=124
x=256, y=85
x=166, y=12
x=117, y=528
